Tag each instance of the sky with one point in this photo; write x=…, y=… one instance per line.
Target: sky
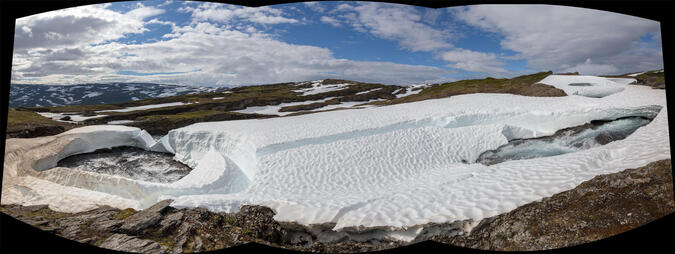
x=215, y=44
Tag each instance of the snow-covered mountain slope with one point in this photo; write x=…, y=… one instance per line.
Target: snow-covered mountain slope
x=391, y=167
x=590, y=86
x=22, y=95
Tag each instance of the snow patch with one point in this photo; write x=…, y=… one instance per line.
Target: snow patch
x=92, y=94
x=120, y=121
x=129, y=109
x=73, y=117
x=593, y=86
x=368, y=91
x=318, y=87
x=274, y=109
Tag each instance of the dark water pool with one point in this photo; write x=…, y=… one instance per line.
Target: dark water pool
x=129, y=162
x=593, y=134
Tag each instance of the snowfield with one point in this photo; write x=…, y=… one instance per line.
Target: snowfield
x=590, y=86
x=393, y=167
x=129, y=109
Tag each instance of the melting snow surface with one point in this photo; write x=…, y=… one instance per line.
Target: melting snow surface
x=274, y=109
x=346, y=104
x=590, y=86
x=394, y=166
x=636, y=74
x=368, y=91
x=120, y=121
x=409, y=90
x=73, y=118
x=129, y=109
x=318, y=88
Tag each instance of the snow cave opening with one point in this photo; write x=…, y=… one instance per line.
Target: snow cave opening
x=129, y=162
x=568, y=140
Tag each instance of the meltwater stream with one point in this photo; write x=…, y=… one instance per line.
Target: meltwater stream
x=129, y=162
x=593, y=134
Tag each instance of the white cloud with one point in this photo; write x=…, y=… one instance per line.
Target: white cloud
x=401, y=23
x=332, y=21
x=142, y=12
x=473, y=61
x=226, y=13
x=315, y=6
x=588, y=67
x=167, y=2
x=78, y=26
x=558, y=37
x=208, y=54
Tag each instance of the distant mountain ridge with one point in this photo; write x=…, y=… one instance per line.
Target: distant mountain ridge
x=25, y=95
x=159, y=108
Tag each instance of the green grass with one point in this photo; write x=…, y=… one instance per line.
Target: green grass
x=76, y=108
x=653, y=77
x=18, y=120
x=522, y=85
x=18, y=117
x=183, y=116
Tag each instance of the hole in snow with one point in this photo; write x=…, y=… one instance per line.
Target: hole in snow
x=582, y=137
x=580, y=84
x=129, y=162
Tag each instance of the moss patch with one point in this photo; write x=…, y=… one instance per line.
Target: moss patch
x=20, y=120
x=124, y=214
x=523, y=85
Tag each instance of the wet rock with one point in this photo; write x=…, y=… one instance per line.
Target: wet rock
x=603, y=139
x=122, y=242
x=65, y=118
